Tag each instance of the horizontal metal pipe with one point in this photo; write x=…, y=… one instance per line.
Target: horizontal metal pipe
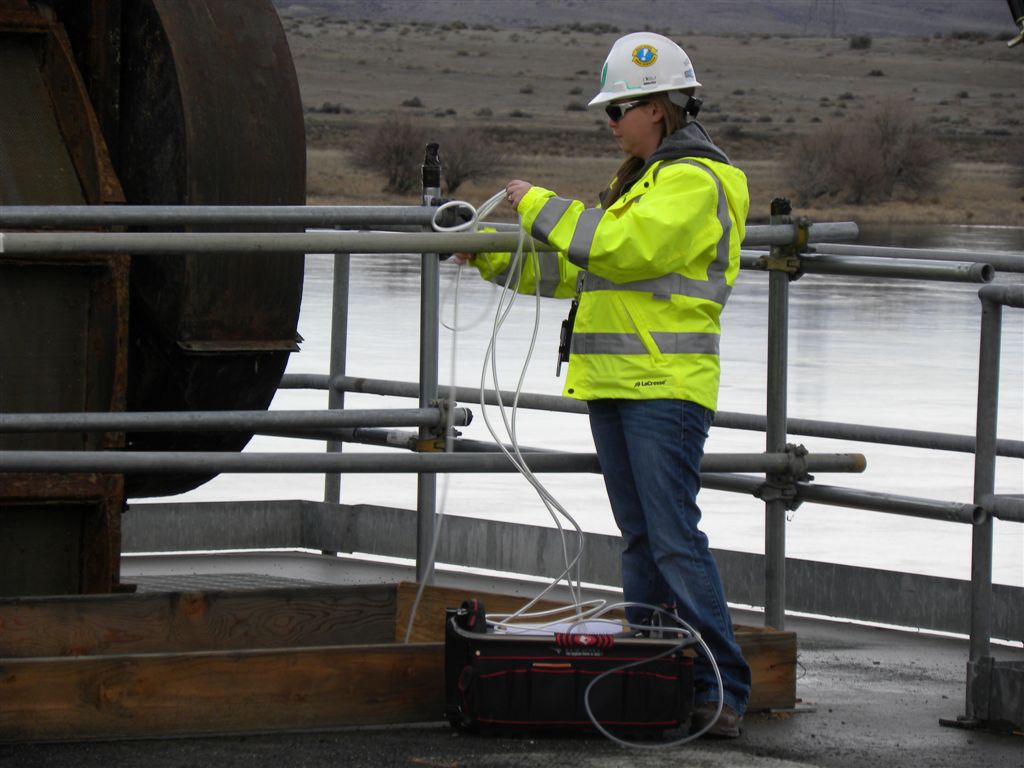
x=950, y=511
x=959, y=272
x=54, y=244
x=191, y=421
x=1005, y=507
x=395, y=438
x=785, y=234
x=305, y=381
x=1003, y=262
x=947, y=511
x=283, y=463
x=356, y=216
x=462, y=394
x=118, y=462
x=463, y=445
x=316, y=435
x=353, y=216
x=906, y=269
x=718, y=481
x=913, y=438
x=1007, y=295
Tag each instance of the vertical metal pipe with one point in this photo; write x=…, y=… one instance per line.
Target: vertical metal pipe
x=339, y=352
x=984, y=485
x=775, y=435
x=430, y=291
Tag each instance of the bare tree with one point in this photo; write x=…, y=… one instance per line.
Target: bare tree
x=1017, y=163
x=909, y=154
x=812, y=168
x=466, y=154
x=394, y=149
x=885, y=153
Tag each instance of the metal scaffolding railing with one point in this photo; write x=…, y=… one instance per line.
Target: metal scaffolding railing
x=982, y=669
x=795, y=247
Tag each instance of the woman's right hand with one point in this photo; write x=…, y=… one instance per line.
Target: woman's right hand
x=515, y=190
x=463, y=258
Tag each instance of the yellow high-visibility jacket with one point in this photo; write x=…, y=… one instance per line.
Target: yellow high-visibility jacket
x=651, y=273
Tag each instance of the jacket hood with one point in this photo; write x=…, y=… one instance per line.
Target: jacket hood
x=689, y=141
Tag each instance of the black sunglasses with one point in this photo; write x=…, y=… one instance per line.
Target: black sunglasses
x=617, y=111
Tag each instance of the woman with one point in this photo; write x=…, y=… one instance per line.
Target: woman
x=650, y=270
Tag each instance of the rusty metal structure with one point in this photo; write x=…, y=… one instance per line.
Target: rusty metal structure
x=146, y=102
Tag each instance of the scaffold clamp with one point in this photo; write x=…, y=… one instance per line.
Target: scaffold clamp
x=785, y=487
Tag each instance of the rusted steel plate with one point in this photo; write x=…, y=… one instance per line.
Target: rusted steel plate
x=60, y=533
x=20, y=17
x=78, y=123
x=210, y=114
x=63, y=324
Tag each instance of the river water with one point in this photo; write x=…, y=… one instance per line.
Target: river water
x=897, y=353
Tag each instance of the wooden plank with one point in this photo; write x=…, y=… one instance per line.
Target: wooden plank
x=161, y=695
x=153, y=694
x=196, y=621
x=772, y=658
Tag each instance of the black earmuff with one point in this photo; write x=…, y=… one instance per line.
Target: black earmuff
x=690, y=104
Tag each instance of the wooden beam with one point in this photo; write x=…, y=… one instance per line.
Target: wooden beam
x=772, y=658
x=173, y=664
x=158, y=695
x=169, y=622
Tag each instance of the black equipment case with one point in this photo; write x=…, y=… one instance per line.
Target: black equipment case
x=496, y=681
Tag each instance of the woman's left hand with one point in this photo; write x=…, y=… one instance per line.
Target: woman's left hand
x=515, y=190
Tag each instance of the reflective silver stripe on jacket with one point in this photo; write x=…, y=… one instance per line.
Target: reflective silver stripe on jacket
x=583, y=237
x=630, y=344
x=501, y=278
x=549, y=276
x=549, y=216
x=664, y=287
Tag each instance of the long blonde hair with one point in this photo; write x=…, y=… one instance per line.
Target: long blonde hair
x=675, y=117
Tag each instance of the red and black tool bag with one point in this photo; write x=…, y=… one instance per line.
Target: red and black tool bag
x=502, y=682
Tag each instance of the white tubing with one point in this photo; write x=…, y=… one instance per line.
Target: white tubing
x=581, y=611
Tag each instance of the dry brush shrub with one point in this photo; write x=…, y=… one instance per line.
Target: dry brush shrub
x=396, y=149
x=1017, y=162
x=812, y=169
x=885, y=154
x=466, y=154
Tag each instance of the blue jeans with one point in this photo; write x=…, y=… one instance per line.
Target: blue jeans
x=650, y=452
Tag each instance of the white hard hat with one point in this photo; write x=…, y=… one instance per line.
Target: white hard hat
x=643, y=62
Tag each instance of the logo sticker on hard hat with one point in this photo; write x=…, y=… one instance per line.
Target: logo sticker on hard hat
x=645, y=55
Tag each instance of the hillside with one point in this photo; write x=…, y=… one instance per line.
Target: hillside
x=906, y=18
x=525, y=91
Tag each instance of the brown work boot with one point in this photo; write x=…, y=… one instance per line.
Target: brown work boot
x=726, y=727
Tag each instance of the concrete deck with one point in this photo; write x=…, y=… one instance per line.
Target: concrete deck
x=868, y=697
